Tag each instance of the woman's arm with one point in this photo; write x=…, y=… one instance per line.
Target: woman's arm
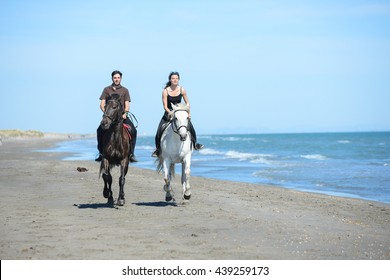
x=185, y=97
x=165, y=100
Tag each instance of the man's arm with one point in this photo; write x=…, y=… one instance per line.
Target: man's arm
x=103, y=105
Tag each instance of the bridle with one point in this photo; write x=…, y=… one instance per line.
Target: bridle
x=113, y=121
x=116, y=120
x=175, y=128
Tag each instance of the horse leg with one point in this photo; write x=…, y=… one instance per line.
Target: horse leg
x=105, y=167
x=185, y=179
x=121, y=197
x=167, y=179
x=124, y=168
x=107, y=192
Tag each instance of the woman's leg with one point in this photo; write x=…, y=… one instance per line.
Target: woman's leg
x=157, y=138
x=191, y=128
x=159, y=132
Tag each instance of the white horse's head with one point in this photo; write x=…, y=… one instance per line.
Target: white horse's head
x=180, y=120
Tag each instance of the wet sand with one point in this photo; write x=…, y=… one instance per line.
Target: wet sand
x=51, y=211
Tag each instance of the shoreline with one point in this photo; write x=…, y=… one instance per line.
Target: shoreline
x=248, y=180
x=51, y=211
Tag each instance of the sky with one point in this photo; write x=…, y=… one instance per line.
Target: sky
x=265, y=66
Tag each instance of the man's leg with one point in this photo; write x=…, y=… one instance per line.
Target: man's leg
x=99, y=138
x=133, y=140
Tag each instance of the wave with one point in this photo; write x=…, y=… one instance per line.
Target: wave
x=344, y=141
x=254, y=158
x=208, y=151
x=251, y=157
x=233, y=138
x=314, y=156
x=145, y=147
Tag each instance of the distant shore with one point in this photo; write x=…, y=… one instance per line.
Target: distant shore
x=15, y=134
x=49, y=210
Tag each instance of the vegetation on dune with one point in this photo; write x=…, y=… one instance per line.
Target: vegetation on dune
x=14, y=133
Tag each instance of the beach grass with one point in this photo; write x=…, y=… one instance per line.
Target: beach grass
x=15, y=133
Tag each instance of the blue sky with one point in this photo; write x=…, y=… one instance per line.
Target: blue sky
x=248, y=66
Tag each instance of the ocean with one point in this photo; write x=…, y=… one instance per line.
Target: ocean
x=353, y=165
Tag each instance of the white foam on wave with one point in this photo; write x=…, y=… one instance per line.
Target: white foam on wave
x=233, y=138
x=314, y=156
x=252, y=157
x=146, y=147
x=208, y=151
x=344, y=141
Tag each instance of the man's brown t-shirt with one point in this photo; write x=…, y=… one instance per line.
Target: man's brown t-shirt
x=120, y=90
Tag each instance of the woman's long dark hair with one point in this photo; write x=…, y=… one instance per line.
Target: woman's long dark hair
x=168, y=84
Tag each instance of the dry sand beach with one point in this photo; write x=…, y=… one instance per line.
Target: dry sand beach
x=49, y=210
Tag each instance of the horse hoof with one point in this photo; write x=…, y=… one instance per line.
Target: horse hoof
x=110, y=200
x=187, y=197
x=106, y=193
x=121, y=202
x=168, y=198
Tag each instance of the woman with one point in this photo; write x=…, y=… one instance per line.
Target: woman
x=173, y=93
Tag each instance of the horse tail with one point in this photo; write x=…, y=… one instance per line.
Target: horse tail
x=110, y=166
x=101, y=169
x=172, y=169
x=159, y=161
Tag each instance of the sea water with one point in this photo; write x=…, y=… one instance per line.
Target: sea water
x=341, y=164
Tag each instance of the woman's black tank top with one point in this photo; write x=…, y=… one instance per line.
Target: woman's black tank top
x=174, y=99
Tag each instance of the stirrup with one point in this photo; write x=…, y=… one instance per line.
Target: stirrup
x=132, y=158
x=156, y=153
x=198, y=146
x=99, y=158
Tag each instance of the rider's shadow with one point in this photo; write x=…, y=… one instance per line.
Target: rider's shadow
x=156, y=204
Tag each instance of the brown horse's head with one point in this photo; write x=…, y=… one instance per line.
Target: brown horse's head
x=113, y=112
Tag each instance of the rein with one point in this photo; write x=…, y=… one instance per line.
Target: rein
x=114, y=121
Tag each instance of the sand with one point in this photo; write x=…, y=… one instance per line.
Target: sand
x=50, y=211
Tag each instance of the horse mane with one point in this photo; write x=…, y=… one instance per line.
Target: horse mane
x=114, y=96
x=180, y=107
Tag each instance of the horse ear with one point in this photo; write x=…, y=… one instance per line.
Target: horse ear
x=174, y=107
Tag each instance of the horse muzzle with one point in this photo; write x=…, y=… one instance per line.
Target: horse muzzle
x=105, y=123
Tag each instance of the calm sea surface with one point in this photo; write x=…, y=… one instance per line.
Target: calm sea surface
x=341, y=164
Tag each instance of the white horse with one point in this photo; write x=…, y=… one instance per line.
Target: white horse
x=176, y=147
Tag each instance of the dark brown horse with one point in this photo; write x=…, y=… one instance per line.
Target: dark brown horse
x=115, y=148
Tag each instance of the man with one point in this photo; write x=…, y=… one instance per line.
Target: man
x=124, y=97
